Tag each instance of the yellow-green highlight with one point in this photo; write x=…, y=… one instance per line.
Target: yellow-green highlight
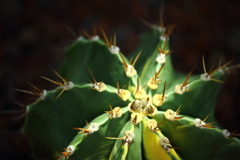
x=152, y=147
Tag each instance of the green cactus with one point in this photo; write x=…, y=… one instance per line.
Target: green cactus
x=141, y=119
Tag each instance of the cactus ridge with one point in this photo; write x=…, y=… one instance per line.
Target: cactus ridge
x=157, y=114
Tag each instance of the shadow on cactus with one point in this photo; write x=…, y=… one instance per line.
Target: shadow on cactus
x=131, y=109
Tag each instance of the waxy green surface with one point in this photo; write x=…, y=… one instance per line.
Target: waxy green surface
x=49, y=123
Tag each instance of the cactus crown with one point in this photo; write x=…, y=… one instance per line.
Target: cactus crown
x=142, y=119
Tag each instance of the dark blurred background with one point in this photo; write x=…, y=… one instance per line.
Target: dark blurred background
x=34, y=34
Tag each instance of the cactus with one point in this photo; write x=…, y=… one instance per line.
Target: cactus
x=131, y=109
